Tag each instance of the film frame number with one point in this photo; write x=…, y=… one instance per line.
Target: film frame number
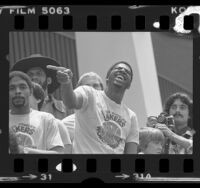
x=142, y=176
x=46, y=177
x=55, y=10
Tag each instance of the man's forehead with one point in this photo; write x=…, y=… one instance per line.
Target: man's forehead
x=17, y=80
x=123, y=65
x=178, y=102
x=33, y=69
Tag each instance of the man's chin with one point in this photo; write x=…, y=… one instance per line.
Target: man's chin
x=179, y=123
x=118, y=84
x=18, y=105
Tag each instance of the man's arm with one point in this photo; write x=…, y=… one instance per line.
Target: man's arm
x=68, y=149
x=64, y=77
x=54, y=150
x=184, y=142
x=130, y=148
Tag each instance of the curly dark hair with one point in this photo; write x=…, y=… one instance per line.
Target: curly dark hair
x=185, y=99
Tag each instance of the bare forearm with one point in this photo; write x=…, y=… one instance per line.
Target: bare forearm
x=186, y=143
x=68, y=95
x=39, y=151
x=130, y=148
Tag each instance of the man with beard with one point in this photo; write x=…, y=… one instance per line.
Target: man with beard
x=35, y=67
x=179, y=105
x=37, y=131
x=104, y=125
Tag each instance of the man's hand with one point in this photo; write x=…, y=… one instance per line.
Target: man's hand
x=64, y=75
x=166, y=131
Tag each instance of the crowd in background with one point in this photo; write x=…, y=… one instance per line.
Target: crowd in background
x=92, y=117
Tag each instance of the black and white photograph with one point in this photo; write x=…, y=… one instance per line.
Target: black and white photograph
x=100, y=93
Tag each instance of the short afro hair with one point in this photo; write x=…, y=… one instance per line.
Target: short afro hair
x=120, y=62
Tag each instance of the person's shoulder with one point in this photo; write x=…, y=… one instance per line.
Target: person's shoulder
x=43, y=114
x=69, y=118
x=129, y=111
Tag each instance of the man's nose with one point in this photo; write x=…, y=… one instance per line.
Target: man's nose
x=123, y=70
x=178, y=109
x=18, y=90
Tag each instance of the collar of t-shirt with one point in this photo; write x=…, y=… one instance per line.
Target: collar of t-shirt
x=113, y=103
x=21, y=115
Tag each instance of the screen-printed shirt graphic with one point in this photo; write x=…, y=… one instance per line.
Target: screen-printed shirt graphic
x=110, y=134
x=110, y=131
x=36, y=130
x=24, y=139
x=101, y=125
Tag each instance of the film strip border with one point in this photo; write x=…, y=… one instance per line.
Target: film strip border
x=104, y=169
x=116, y=23
x=177, y=19
x=107, y=169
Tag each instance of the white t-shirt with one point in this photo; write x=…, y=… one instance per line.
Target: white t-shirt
x=64, y=133
x=101, y=125
x=69, y=123
x=36, y=129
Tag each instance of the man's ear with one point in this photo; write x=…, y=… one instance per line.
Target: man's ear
x=49, y=80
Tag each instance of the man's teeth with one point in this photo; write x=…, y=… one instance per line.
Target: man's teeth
x=120, y=77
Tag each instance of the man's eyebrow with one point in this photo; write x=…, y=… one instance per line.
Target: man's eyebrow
x=183, y=105
x=22, y=84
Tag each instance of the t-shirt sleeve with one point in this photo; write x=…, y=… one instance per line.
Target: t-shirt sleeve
x=53, y=137
x=64, y=133
x=69, y=123
x=85, y=92
x=133, y=135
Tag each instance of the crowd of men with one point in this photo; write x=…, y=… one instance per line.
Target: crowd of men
x=91, y=118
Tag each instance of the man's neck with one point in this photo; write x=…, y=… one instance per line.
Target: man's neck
x=20, y=111
x=115, y=95
x=180, y=129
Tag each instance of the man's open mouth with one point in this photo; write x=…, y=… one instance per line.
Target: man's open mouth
x=121, y=77
x=16, y=99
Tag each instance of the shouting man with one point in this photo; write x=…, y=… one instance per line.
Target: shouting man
x=104, y=125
